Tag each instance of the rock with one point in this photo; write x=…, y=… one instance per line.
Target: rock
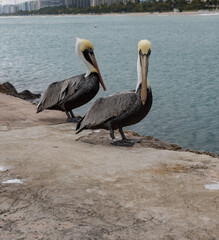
x=9, y=89
x=26, y=94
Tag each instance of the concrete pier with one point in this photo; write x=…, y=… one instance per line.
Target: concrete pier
x=69, y=186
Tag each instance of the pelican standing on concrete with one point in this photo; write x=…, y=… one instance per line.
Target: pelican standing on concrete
x=123, y=109
x=75, y=91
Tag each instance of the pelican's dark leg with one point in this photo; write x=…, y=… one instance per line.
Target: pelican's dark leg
x=122, y=142
x=72, y=117
x=126, y=139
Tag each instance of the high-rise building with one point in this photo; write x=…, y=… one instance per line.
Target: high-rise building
x=24, y=6
x=78, y=3
x=28, y=6
x=9, y=9
x=38, y=4
x=50, y=3
x=33, y=5
x=109, y=2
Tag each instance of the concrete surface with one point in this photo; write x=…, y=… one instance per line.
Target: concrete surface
x=81, y=187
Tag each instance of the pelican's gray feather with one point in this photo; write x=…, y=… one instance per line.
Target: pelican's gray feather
x=58, y=91
x=106, y=108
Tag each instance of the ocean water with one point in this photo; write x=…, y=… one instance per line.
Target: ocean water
x=183, y=67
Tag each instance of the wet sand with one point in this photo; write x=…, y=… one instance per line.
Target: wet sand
x=81, y=187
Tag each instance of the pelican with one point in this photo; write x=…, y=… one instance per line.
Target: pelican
x=125, y=108
x=76, y=91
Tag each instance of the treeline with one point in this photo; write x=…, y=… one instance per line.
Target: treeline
x=153, y=6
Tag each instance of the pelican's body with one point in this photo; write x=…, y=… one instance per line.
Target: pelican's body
x=122, y=109
x=73, y=93
x=116, y=111
x=76, y=91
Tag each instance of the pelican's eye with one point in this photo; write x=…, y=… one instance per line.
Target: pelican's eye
x=149, y=52
x=140, y=53
x=90, y=51
x=86, y=53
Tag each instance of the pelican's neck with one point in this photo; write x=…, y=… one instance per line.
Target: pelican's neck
x=139, y=75
x=81, y=56
x=87, y=73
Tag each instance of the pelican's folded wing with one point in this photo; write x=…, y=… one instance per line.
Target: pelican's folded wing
x=106, y=108
x=58, y=91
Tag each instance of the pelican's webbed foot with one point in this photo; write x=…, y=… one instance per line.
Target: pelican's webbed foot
x=72, y=118
x=122, y=143
x=133, y=141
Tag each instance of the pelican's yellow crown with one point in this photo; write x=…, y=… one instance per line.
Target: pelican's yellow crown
x=144, y=46
x=85, y=44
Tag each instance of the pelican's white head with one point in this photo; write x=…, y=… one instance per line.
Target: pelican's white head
x=144, y=51
x=85, y=51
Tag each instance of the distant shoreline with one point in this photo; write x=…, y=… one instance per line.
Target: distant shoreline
x=165, y=13
x=127, y=14
x=153, y=13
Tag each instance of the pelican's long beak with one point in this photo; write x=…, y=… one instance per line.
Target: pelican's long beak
x=93, y=59
x=144, y=67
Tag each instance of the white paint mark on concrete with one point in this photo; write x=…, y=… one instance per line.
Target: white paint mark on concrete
x=213, y=186
x=3, y=169
x=13, y=181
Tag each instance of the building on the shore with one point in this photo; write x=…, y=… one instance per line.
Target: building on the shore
x=109, y=2
x=78, y=3
x=33, y=5
x=8, y=9
x=24, y=6
x=38, y=4
x=28, y=6
x=127, y=1
x=50, y=3
x=142, y=1
x=101, y=2
x=0, y=6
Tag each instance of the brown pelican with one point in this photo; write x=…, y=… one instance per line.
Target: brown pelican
x=123, y=109
x=76, y=91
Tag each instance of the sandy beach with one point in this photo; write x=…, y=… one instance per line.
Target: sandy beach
x=154, y=13
x=150, y=13
x=55, y=184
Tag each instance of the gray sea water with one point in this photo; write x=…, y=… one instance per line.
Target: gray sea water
x=183, y=70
